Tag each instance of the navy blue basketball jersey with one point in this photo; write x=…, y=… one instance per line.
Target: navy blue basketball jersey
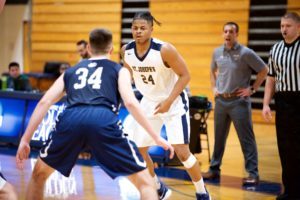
x=93, y=82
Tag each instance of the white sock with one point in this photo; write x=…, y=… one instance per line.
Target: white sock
x=157, y=182
x=199, y=185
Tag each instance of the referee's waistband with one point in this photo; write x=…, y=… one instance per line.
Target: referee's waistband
x=289, y=94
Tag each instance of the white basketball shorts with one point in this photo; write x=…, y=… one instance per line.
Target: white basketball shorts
x=176, y=121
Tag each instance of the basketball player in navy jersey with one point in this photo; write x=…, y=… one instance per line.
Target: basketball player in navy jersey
x=94, y=88
x=7, y=191
x=161, y=75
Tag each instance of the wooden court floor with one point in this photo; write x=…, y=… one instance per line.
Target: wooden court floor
x=89, y=182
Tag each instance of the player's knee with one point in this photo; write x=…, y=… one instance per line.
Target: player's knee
x=142, y=179
x=39, y=175
x=190, y=161
x=41, y=171
x=182, y=152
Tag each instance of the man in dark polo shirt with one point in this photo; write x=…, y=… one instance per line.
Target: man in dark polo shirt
x=231, y=69
x=82, y=50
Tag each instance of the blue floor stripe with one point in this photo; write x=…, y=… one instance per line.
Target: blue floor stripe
x=226, y=181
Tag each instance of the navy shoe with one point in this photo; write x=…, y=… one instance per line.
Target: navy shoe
x=164, y=192
x=203, y=196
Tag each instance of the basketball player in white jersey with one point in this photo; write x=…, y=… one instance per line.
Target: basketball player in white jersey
x=161, y=75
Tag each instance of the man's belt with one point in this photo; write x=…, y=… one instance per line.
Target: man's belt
x=228, y=95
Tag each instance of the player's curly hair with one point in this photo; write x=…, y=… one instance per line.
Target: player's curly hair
x=146, y=16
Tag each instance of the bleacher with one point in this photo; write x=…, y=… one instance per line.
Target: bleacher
x=58, y=25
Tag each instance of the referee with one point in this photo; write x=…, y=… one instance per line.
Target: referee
x=284, y=81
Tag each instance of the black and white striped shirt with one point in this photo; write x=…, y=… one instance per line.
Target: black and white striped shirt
x=284, y=65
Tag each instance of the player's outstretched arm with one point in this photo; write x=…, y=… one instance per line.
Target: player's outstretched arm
x=133, y=106
x=54, y=94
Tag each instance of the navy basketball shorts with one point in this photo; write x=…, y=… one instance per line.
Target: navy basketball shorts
x=100, y=130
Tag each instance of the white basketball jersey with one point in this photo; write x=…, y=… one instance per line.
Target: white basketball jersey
x=152, y=78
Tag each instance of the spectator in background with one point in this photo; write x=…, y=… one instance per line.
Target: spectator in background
x=231, y=69
x=82, y=49
x=16, y=80
x=7, y=191
x=283, y=82
x=63, y=67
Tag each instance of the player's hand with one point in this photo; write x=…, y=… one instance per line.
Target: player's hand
x=162, y=107
x=22, y=154
x=165, y=145
x=266, y=113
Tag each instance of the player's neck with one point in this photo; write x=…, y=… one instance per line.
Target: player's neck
x=98, y=57
x=143, y=47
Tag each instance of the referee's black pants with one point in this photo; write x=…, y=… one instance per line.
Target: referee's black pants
x=287, y=106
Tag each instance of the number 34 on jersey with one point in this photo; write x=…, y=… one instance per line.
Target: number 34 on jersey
x=83, y=78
